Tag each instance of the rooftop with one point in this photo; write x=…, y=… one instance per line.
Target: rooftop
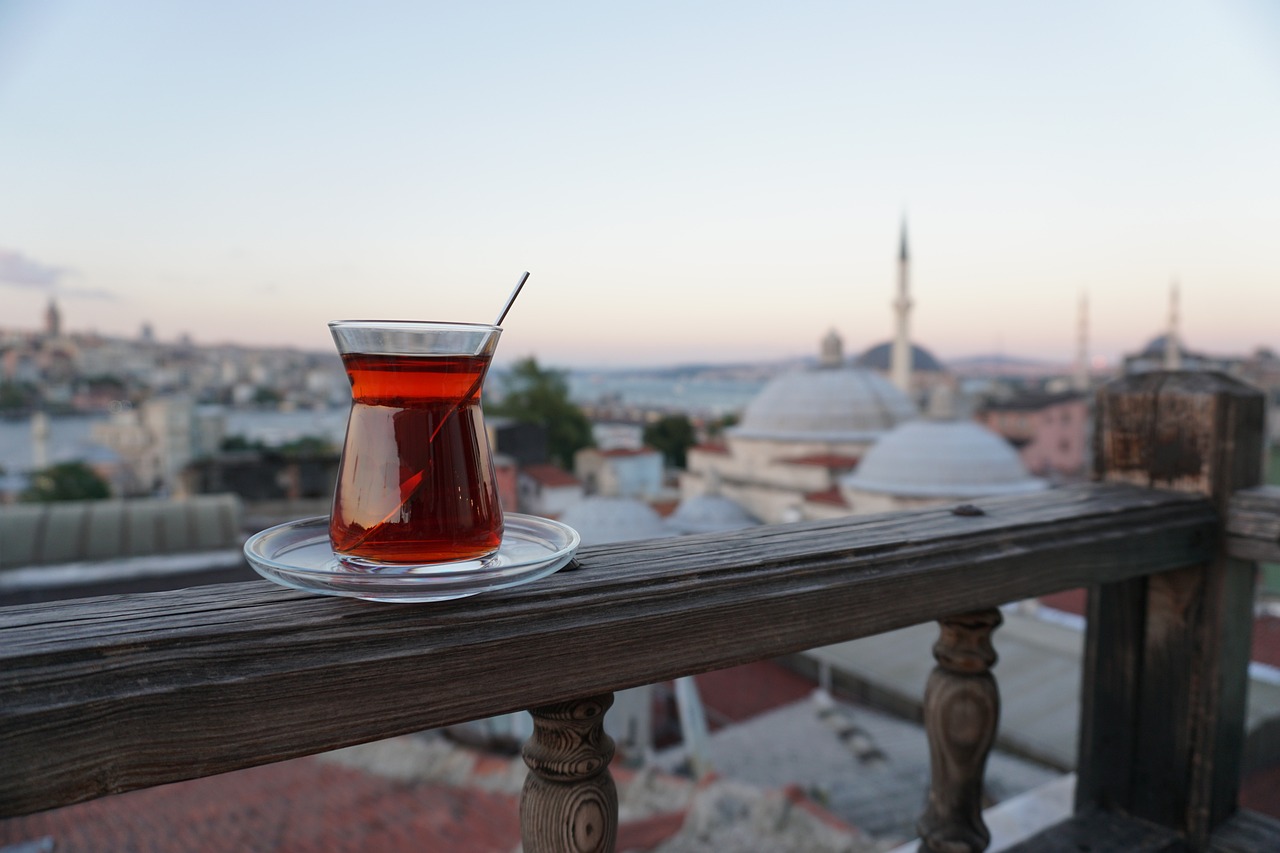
x=550, y=475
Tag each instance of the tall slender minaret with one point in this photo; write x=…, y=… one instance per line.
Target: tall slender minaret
x=900, y=356
x=1172, y=338
x=1080, y=378
x=52, y=320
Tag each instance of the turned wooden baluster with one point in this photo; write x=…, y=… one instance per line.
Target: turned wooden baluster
x=569, y=803
x=961, y=711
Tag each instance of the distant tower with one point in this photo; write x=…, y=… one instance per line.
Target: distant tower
x=1172, y=338
x=52, y=320
x=900, y=357
x=832, y=350
x=1080, y=379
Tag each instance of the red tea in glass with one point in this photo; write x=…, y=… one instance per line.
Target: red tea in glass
x=416, y=482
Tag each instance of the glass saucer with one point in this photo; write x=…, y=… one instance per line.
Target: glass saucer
x=298, y=555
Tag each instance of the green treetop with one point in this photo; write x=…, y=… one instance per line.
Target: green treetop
x=537, y=395
x=66, y=481
x=673, y=435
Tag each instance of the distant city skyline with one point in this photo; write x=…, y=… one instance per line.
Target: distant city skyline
x=718, y=183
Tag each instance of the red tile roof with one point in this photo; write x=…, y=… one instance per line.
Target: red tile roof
x=831, y=496
x=712, y=447
x=838, y=461
x=617, y=452
x=301, y=806
x=550, y=475
x=664, y=508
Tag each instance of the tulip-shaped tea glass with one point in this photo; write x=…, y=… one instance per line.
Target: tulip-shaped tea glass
x=416, y=483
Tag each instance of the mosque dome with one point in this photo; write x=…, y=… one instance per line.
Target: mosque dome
x=827, y=404
x=879, y=356
x=956, y=459
x=1156, y=346
x=709, y=514
x=599, y=520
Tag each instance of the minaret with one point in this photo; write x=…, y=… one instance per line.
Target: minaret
x=1172, y=339
x=1080, y=379
x=900, y=357
x=831, y=352
x=52, y=320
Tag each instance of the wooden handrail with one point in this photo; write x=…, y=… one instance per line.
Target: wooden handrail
x=1253, y=524
x=99, y=696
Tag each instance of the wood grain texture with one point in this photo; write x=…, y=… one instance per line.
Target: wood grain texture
x=961, y=712
x=1168, y=748
x=1253, y=524
x=104, y=695
x=569, y=803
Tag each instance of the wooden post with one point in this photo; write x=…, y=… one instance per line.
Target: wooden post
x=1166, y=657
x=961, y=712
x=569, y=803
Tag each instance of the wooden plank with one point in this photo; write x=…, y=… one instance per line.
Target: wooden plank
x=105, y=695
x=1164, y=687
x=1253, y=524
x=1098, y=831
x=1109, y=707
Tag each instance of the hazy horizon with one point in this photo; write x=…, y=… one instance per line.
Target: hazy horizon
x=717, y=183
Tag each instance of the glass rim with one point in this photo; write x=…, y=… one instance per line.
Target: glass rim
x=406, y=325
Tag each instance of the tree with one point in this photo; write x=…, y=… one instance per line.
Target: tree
x=308, y=445
x=673, y=435
x=66, y=481
x=265, y=396
x=536, y=395
x=716, y=428
x=240, y=442
x=17, y=397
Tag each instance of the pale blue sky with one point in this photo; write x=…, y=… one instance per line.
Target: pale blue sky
x=684, y=180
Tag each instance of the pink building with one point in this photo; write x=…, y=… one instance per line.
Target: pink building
x=1050, y=432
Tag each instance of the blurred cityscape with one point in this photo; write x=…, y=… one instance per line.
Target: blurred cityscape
x=136, y=464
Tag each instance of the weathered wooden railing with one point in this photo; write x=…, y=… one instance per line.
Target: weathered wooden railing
x=106, y=695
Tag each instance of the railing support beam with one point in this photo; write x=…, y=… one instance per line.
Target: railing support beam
x=1166, y=656
x=961, y=713
x=569, y=803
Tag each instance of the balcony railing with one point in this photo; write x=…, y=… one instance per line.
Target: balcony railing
x=100, y=696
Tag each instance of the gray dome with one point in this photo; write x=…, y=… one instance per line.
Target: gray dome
x=840, y=404
x=1155, y=347
x=600, y=520
x=709, y=514
x=958, y=459
x=879, y=356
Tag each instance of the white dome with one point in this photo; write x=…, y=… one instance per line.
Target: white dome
x=834, y=404
x=958, y=459
x=600, y=520
x=709, y=514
